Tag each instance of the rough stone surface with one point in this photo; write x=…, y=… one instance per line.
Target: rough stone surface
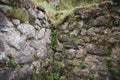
x=85, y=46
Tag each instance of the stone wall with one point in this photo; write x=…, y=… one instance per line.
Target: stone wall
x=88, y=43
x=24, y=39
x=84, y=46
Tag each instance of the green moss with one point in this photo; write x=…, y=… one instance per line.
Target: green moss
x=115, y=71
x=53, y=37
x=30, y=38
x=83, y=65
x=13, y=63
x=18, y=13
x=89, y=77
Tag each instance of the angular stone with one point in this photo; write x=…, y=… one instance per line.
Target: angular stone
x=3, y=58
x=24, y=73
x=58, y=56
x=80, y=53
x=102, y=20
x=47, y=38
x=74, y=33
x=23, y=57
x=2, y=43
x=41, y=15
x=4, y=1
x=93, y=49
x=63, y=38
x=26, y=29
x=64, y=26
x=41, y=33
x=97, y=67
x=36, y=44
x=16, y=21
x=15, y=40
x=7, y=74
x=71, y=45
x=70, y=54
x=4, y=22
x=4, y=8
x=83, y=32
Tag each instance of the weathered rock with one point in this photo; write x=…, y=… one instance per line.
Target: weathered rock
x=41, y=15
x=58, y=56
x=15, y=40
x=35, y=44
x=70, y=54
x=16, y=21
x=26, y=29
x=24, y=73
x=7, y=73
x=24, y=57
x=97, y=67
x=4, y=22
x=63, y=38
x=41, y=33
x=93, y=49
x=3, y=57
x=80, y=53
x=102, y=21
x=4, y=8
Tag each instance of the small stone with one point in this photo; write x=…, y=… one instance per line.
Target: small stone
x=15, y=40
x=47, y=37
x=71, y=45
x=4, y=8
x=16, y=21
x=97, y=66
x=80, y=53
x=74, y=33
x=7, y=74
x=24, y=73
x=83, y=32
x=41, y=15
x=93, y=49
x=41, y=33
x=80, y=23
x=5, y=1
x=64, y=26
x=35, y=44
x=102, y=20
x=23, y=57
x=70, y=54
x=4, y=22
x=37, y=22
x=58, y=56
x=26, y=29
x=63, y=38
x=33, y=12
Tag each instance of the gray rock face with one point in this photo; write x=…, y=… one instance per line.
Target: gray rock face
x=4, y=1
x=98, y=66
x=26, y=29
x=7, y=74
x=24, y=73
x=16, y=21
x=4, y=8
x=40, y=15
x=24, y=57
x=4, y=22
x=2, y=49
x=23, y=42
x=15, y=40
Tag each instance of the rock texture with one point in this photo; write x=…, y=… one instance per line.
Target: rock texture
x=85, y=46
x=89, y=44
x=22, y=44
